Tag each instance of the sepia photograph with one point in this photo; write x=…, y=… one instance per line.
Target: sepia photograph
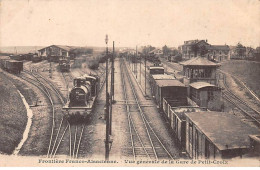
x=129, y=83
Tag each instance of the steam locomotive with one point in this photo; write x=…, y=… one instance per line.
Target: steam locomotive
x=81, y=98
x=64, y=64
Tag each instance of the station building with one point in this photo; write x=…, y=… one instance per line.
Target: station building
x=199, y=69
x=200, y=78
x=217, y=135
x=56, y=50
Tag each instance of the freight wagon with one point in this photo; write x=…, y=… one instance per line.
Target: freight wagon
x=12, y=66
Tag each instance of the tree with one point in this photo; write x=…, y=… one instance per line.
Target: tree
x=195, y=49
x=147, y=49
x=165, y=50
x=203, y=50
x=240, y=50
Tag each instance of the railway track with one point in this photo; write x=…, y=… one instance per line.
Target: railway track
x=143, y=140
x=240, y=104
x=59, y=125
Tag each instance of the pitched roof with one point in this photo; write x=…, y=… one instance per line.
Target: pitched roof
x=224, y=130
x=169, y=83
x=218, y=47
x=201, y=84
x=64, y=47
x=192, y=42
x=199, y=61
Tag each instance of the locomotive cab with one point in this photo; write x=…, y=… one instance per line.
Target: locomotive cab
x=81, y=98
x=79, y=81
x=94, y=83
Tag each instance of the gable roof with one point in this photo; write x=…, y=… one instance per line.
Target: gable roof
x=224, y=130
x=199, y=61
x=219, y=47
x=64, y=47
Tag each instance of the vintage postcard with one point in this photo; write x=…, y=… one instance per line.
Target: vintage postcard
x=150, y=83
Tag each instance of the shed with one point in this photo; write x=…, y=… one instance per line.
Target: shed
x=199, y=69
x=206, y=95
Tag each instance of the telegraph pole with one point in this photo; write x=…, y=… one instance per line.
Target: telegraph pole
x=136, y=62
x=145, y=72
x=140, y=71
x=112, y=90
x=107, y=107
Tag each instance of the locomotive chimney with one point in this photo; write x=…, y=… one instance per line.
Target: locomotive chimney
x=78, y=82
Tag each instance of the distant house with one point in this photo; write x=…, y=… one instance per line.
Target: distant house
x=56, y=50
x=191, y=48
x=201, y=48
x=218, y=52
x=156, y=52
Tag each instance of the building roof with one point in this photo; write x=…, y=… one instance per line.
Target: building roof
x=169, y=83
x=155, y=67
x=162, y=77
x=224, y=130
x=201, y=84
x=155, y=51
x=219, y=47
x=199, y=61
x=64, y=47
x=192, y=42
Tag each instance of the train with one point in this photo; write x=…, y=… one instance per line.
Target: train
x=81, y=98
x=12, y=66
x=19, y=57
x=36, y=58
x=64, y=64
x=171, y=97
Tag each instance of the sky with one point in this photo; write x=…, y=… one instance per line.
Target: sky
x=128, y=22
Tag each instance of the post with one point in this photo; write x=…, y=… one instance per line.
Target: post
x=112, y=91
x=107, y=130
x=136, y=62
x=113, y=72
x=145, y=73
x=107, y=107
x=50, y=71
x=140, y=71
